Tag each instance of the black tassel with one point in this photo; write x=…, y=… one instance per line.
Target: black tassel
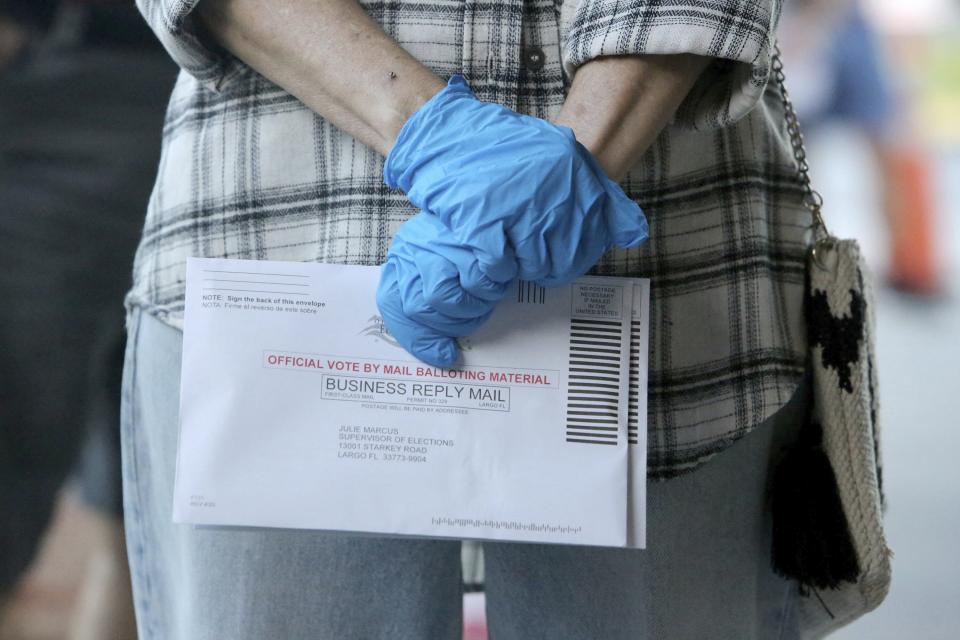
x=811, y=538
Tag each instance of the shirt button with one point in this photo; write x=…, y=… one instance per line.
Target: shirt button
x=534, y=58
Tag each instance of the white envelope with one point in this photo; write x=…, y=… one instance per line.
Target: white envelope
x=299, y=411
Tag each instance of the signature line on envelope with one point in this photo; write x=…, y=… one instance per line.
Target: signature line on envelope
x=259, y=282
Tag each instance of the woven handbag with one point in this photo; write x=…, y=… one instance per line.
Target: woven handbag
x=828, y=501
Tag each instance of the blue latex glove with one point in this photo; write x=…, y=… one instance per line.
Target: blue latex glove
x=522, y=193
x=432, y=291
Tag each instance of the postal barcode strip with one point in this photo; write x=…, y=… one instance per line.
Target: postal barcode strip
x=612, y=338
x=591, y=322
x=633, y=392
x=596, y=385
x=598, y=378
x=614, y=365
x=578, y=420
x=593, y=381
x=596, y=392
x=603, y=438
x=592, y=401
x=590, y=439
x=593, y=431
x=530, y=293
x=593, y=414
x=602, y=372
x=604, y=338
x=595, y=428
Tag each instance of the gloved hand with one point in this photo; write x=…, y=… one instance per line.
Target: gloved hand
x=432, y=290
x=522, y=193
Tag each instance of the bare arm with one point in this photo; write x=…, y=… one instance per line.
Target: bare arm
x=339, y=62
x=617, y=105
x=332, y=56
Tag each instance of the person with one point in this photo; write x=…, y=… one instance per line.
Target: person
x=82, y=92
x=279, y=145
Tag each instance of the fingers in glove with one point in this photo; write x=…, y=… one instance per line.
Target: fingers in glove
x=564, y=237
x=424, y=343
x=454, y=281
x=472, y=211
x=495, y=256
x=444, y=292
x=415, y=306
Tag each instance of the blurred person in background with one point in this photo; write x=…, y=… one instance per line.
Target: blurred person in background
x=839, y=72
x=83, y=89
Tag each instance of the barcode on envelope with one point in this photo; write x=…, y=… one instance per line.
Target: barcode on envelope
x=528, y=293
x=593, y=383
x=633, y=399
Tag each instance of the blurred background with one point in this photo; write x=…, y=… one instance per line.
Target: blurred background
x=884, y=143
x=83, y=88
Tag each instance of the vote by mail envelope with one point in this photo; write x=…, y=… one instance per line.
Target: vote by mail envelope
x=298, y=410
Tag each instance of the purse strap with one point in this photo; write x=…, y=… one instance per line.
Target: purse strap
x=812, y=199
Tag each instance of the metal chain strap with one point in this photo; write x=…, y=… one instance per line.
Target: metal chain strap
x=811, y=198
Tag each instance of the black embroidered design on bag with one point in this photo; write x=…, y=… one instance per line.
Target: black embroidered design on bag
x=840, y=336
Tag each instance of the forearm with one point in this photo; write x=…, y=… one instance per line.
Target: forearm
x=617, y=105
x=339, y=62
x=332, y=56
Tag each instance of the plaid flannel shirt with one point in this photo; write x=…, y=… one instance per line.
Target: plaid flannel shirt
x=247, y=171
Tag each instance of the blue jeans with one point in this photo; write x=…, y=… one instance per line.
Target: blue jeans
x=706, y=572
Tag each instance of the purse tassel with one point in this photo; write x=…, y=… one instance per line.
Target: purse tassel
x=811, y=538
